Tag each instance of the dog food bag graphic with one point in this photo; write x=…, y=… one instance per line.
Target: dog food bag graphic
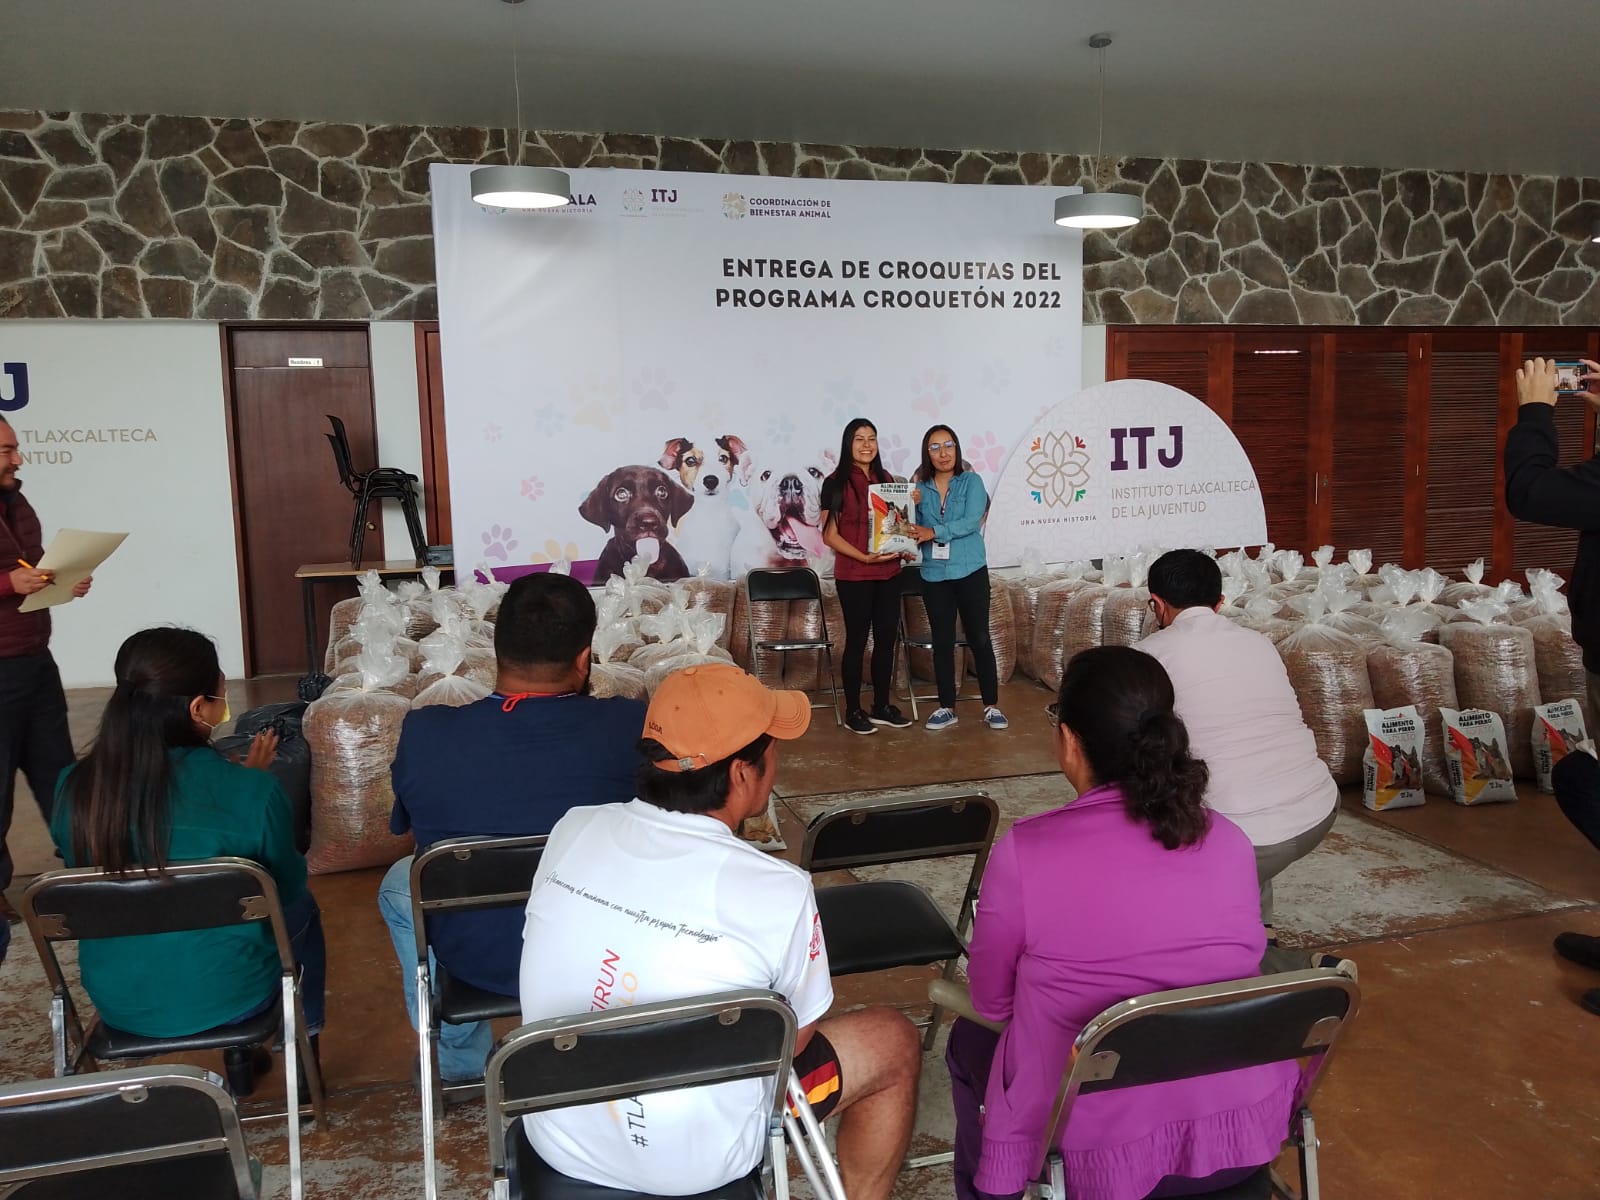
x=1557, y=730
x=894, y=518
x=1475, y=747
x=1392, y=775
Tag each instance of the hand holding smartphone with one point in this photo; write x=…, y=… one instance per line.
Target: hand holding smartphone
x=1571, y=376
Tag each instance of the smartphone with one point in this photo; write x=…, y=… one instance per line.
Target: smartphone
x=1570, y=379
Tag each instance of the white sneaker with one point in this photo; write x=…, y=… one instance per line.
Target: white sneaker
x=942, y=718
x=995, y=719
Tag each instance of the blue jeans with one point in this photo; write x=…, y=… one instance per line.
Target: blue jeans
x=463, y=1049
x=310, y=950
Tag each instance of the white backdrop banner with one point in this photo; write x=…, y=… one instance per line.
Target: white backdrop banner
x=1128, y=465
x=678, y=353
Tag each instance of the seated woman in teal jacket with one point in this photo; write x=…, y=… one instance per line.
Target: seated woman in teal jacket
x=152, y=791
x=955, y=576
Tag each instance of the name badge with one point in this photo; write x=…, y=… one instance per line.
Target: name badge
x=941, y=551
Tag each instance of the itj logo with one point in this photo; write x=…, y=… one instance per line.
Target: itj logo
x=14, y=387
x=1058, y=469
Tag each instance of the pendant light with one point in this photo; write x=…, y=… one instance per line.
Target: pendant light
x=1594, y=231
x=519, y=186
x=1099, y=210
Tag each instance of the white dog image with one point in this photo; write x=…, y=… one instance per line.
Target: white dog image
x=788, y=501
x=712, y=469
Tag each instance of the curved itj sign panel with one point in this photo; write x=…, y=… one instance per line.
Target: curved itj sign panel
x=1124, y=466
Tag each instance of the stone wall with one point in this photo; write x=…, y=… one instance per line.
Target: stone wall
x=197, y=217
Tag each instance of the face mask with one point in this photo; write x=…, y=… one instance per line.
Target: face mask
x=227, y=714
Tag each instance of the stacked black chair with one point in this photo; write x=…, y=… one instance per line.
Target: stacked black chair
x=456, y=876
x=145, y=1134
x=380, y=483
x=87, y=903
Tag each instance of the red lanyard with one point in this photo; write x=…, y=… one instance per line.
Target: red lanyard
x=517, y=698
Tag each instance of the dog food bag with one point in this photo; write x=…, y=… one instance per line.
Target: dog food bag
x=443, y=653
x=1558, y=728
x=765, y=622
x=1002, y=630
x=1392, y=766
x=1328, y=670
x=341, y=619
x=1085, y=621
x=1050, y=628
x=1406, y=670
x=1033, y=577
x=716, y=595
x=807, y=670
x=616, y=679
x=1123, y=617
x=1480, y=768
x=1473, y=589
x=353, y=733
x=1556, y=656
x=1496, y=670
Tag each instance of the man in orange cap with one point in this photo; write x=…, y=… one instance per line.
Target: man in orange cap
x=659, y=899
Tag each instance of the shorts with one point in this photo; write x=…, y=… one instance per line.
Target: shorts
x=820, y=1076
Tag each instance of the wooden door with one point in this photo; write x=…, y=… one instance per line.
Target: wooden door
x=435, y=457
x=1271, y=397
x=292, y=507
x=1463, y=449
x=1369, y=433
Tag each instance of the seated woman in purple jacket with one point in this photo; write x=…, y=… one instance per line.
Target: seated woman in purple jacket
x=1133, y=887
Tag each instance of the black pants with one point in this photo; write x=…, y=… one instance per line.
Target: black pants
x=33, y=738
x=869, y=604
x=968, y=596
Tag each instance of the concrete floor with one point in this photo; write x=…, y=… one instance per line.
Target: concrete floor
x=1469, y=1072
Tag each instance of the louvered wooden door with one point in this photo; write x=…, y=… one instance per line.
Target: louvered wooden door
x=1463, y=450
x=1369, y=434
x=1271, y=406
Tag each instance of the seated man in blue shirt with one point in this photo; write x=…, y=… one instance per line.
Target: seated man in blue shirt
x=509, y=765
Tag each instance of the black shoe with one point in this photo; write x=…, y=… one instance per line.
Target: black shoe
x=858, y=722
x=1591, y=1000
x=888, y=714
x=1579, y=948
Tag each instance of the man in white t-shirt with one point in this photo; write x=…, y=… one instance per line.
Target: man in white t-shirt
x=1244, y=720
x=659, y=899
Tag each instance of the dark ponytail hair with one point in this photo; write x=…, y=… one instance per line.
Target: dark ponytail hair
x=121, y=791
x=1118, y=701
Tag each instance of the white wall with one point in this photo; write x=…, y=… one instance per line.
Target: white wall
x=110, y=380
x=398, y=415
x=1094, y=355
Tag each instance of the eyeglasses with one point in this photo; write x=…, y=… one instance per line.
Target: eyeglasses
x=941, y=445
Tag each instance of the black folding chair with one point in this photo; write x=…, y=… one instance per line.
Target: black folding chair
x=87, y=903
x=911, y=594
x=1207, y=1030
x=593, y=1058
x=380, y=483
x=144, y=1134
x=792, y=583
x=460, y=875
x=891, y=923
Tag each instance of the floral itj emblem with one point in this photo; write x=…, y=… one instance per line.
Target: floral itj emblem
x=1058, y=469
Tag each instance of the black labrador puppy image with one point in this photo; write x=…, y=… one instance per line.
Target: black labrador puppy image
x=637, y=503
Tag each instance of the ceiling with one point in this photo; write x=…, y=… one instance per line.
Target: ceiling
x=1449, y=84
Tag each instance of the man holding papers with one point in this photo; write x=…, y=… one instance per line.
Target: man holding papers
x=33, y=707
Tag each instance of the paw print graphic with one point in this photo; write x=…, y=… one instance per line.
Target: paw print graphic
x=896, y=454
x=588, y=404
x=532, y=488
x=653, y=388
x=985, y=452
x=845, y=399
x=498, y=543
x=930, y=393
x=492, y=432
x=995, y=377
x=554, y=551
x=549, y=420
x=780, y=431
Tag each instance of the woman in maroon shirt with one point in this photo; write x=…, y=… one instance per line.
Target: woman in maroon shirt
x=869, y=584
